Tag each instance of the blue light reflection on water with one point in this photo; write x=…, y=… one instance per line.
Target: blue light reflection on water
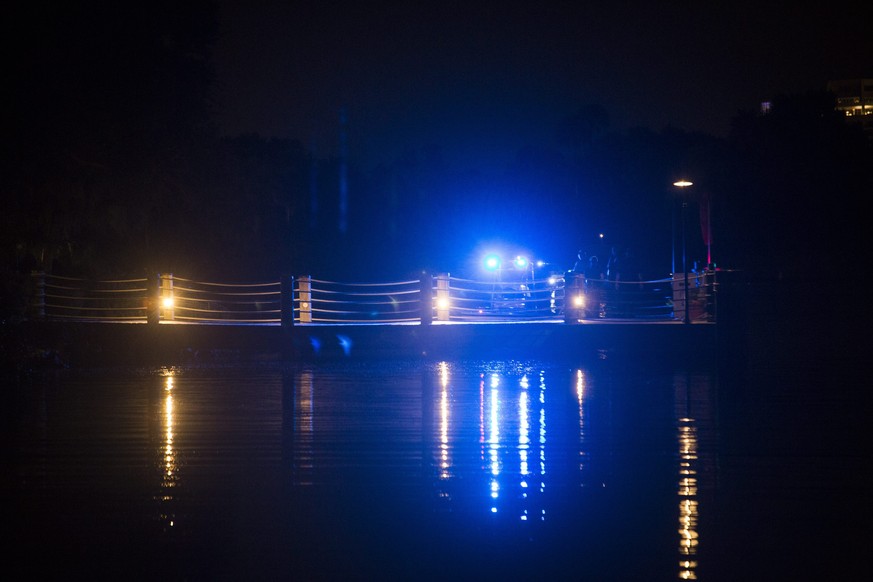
x=493, y=467
x=488, y=469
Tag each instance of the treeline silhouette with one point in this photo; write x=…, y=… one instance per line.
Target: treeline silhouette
x=112, y=167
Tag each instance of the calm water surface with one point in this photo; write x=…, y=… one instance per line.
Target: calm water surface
x=473, y=470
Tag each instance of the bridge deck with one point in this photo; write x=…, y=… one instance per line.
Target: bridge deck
x=87, y=344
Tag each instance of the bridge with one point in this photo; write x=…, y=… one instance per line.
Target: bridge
x=174, y=319
x=430, y=299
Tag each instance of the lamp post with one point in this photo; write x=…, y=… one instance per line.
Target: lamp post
x=682, y=184
x=672, y=236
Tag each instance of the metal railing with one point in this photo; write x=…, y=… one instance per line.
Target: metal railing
x=193, y=301
x=602, y=299
x=307, y=301
x=319, y=301
x=75, y=299
x=460, y=299
x=657, y=299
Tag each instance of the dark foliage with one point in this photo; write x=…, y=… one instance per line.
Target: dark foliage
x=111, y=167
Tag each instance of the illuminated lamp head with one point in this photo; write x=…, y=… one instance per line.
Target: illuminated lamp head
x=492, y=262
x=579, y=301
x=520, y=262
x=167, y=302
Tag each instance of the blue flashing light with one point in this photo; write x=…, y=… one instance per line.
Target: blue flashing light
x=492, y=262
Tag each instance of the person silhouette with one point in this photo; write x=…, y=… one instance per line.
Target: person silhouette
x=581, y=262
x=613, y=267
x=592, y=270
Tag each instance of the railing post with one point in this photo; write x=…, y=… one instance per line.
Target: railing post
x=153, y=300
x=572, y=289
x=425, y=298
x=714, y=302
x=37, y=299
x=697, y=307
x=704, y=303
x=304, y=296
x=442, y=301
x=286, y=302
x=167, y=311
x=679, y=296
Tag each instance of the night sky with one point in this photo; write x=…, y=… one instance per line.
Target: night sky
x=453, y=113
x=481, y=79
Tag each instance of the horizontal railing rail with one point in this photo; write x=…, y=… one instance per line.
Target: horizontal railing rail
x=76, y=299
x=625, y=299
x=308, y=301
x=319, y=301
x=657, y=299
x=524, y=299
x=204, y=302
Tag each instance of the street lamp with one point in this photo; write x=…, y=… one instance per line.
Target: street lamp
x=682, y=184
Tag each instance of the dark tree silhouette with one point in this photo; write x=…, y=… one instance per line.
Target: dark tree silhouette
x=109, y=109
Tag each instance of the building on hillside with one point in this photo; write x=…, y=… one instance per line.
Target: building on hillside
x=854, y=98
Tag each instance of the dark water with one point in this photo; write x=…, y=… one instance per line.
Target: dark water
x=472, y=470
